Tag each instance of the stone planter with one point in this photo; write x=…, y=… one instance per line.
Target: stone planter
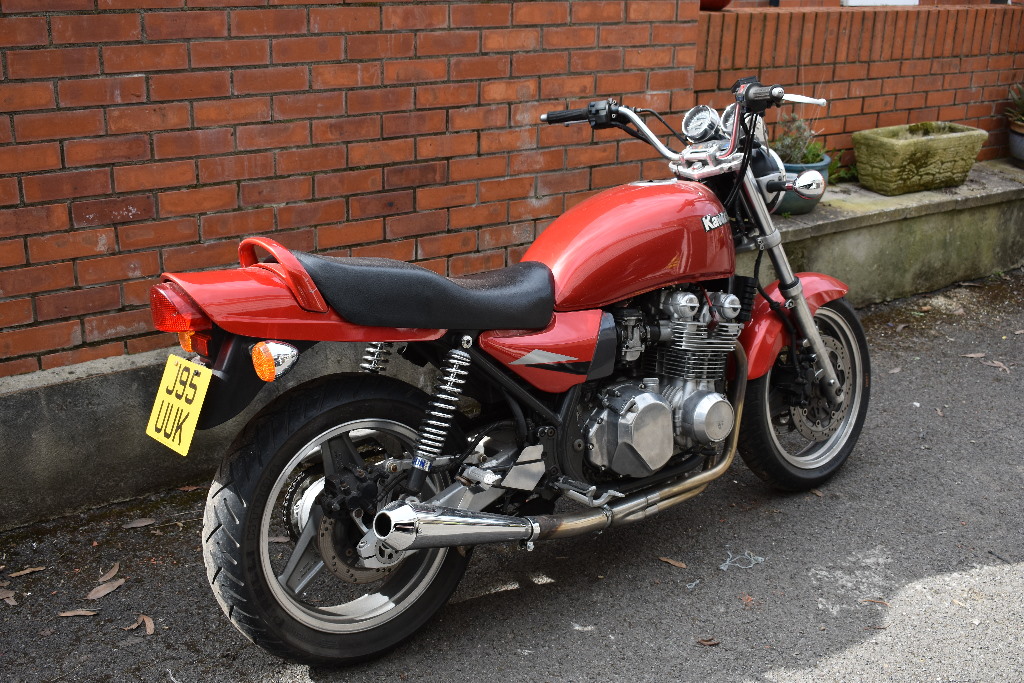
x=915, y=157
x=793, y=204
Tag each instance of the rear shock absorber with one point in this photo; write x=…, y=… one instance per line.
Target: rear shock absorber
x=440, y=415
x=376, y=357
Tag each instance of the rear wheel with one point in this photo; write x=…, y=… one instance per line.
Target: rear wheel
x=282, y=564
x=795, y=446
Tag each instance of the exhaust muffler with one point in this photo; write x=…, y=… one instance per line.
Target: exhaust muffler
x=411, y=526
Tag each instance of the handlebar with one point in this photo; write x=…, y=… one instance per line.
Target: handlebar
x=750, y=95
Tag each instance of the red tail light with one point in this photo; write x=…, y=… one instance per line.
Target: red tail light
x=174, y=311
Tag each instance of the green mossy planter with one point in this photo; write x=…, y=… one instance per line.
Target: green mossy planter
x=915, y=157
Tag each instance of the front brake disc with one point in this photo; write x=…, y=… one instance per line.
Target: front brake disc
x=819, y=419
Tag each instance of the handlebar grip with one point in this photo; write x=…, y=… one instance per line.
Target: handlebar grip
x=566, y=116
x=765, y=93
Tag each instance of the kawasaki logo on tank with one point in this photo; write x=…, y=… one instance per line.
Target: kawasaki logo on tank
x=712, y=222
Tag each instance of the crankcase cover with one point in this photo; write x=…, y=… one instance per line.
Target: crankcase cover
x=707, y=416
x=632, y=436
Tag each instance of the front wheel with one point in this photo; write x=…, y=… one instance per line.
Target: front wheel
x=794, y=442
x=282, y=561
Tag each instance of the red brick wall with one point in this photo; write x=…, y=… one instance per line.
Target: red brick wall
x=877, y=67
x=141, y=136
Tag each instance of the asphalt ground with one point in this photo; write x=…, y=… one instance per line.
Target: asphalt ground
x=907, y=566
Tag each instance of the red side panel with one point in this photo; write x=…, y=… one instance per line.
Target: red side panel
x=256, y=302
x=554, y=359
x=764, y=336
x=632, y=239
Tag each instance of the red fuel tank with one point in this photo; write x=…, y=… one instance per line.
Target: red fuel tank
x=635, y=238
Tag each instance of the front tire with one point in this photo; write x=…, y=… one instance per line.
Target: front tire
x=795, y=447
x=264, y=529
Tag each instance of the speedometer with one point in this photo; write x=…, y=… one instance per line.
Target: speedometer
x=729, y=118
x=700, y=123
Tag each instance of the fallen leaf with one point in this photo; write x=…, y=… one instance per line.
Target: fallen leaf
x=78, y=613
x=8, y=597
x=46, y=632
x=938, y=411
x=818, y=493
x=111, y=573
x=990, y=363
x=902, y=326
x=27, y=571
x=894, y=371
x=186, y=489
x=973, y=355
x=877, y=602
x=4, y=584
x=970, y=284
x=925, y=309
x=708, y=642
x=278, y=539
x=960, y=311
x=1018, y=332
x=674, y=563
x=143, y=619
x=136, y=523
x=103, y=589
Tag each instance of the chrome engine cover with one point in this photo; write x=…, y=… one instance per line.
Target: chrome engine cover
x=632, y=434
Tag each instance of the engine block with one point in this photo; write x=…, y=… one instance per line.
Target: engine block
x=677, y=406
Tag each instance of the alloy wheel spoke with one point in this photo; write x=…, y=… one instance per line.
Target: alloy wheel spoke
x=305, y=562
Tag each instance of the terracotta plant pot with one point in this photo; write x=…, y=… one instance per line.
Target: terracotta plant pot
x=915, y=157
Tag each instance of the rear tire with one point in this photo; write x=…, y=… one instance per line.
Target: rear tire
x=261, y=565
x=795, y=448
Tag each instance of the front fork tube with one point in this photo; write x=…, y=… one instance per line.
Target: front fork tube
x=790, y=288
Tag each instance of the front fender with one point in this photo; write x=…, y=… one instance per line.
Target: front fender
x=764, y=336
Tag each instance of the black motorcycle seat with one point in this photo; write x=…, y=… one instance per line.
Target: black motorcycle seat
x=381, y=292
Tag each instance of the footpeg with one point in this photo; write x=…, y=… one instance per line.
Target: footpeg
x=585, y=495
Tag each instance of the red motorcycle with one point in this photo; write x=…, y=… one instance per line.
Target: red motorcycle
x=609, y=368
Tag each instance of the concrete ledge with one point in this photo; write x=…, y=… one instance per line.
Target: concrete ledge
x=73, y=438
x=891, y=247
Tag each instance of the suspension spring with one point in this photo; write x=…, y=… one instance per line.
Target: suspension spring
x=376, y=357
x=440, y=415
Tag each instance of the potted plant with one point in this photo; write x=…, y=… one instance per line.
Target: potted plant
x=919, y=156
x=799, y=151
x=1015, y=115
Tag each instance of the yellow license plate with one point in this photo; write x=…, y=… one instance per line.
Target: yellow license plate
x=178, y=402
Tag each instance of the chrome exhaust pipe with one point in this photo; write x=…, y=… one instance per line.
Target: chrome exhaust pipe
x=411, y=526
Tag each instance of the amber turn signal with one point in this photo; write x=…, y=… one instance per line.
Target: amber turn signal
x=272, y=359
